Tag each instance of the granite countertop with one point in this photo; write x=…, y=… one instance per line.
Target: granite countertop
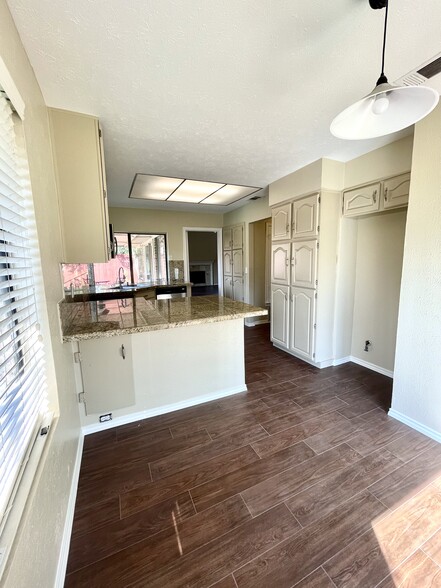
x=106, y=318
x=109, y=292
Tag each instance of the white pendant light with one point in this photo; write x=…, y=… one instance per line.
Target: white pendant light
x=387, y=108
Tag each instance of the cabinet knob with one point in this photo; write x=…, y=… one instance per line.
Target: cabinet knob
x=385, y=194
x=123, y=352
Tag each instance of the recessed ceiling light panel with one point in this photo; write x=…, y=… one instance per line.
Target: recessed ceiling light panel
x=149, y=187
x=159, y=188
x=194, y=191
x=229, y=194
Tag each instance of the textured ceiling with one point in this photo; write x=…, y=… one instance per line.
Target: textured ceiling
x=231, y=91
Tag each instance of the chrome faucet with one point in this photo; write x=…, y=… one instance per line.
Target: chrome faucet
x=121, y=276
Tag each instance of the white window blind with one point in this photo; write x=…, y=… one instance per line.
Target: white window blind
x=22, y=374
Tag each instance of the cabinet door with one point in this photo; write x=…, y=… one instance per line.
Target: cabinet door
x=238, y=263
x=279, y=315
x=238, y=289
x=281, y=222
x=228, y=287
x=301, y=339
x=364, y=200
x=227, y=238
x=280, y=262
x=228, y=263
x=305, y=221
x=107, y=372
x=304, y=264
x=76, y=145
x=237, y=237
x=396, y=191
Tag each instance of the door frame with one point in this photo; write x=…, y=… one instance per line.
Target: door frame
x=220, y=269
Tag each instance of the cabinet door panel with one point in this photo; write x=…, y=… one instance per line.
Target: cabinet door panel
x=279, y=315
x=107, y=372
x=396, y=191
x=304, y=264
x=305, y=211
x=364, y=200
x=280, y=262
x=237, y=237
x=227, y=239
x=228, y=287
x=238, y=289
x=302, y=322
x=228, y=263
x=238, y=263
x=281, y=222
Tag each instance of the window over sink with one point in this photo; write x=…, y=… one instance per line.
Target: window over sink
x=139, y=258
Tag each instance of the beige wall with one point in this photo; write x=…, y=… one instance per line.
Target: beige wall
x=36, y=550
x=135, y=220
x=417, y=383
x=390, y=160
x=378, y=266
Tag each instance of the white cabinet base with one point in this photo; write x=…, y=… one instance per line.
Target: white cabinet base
x=317, y=364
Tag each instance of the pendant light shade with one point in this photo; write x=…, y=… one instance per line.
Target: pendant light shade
x=388, y=108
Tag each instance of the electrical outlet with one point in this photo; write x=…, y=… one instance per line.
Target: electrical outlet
x=105, y=417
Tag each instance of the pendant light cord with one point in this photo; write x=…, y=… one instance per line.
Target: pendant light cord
x=383, y=78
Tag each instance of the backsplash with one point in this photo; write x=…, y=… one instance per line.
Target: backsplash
x=176, y=264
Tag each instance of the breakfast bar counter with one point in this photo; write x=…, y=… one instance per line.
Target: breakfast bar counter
x=137, y=358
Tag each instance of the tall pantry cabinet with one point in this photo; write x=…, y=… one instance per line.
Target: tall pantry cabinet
x=303, y=275
x=232, y=250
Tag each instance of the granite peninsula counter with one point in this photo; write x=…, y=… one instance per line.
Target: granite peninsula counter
x=137, y=358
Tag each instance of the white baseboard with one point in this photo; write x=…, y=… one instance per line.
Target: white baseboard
x=254, y=322
x=372, y=366
x=415, y=425
x=145, y=414
x=341, y=361
x=68, y=522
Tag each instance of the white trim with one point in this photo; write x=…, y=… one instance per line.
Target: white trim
x=220, y=269
x=415, y=425
x=341, y=361
x=68, y=521
x=145, y=414
x=372, y=366
x=254, y=322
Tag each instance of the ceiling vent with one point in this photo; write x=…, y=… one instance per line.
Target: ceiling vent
x=421, y=74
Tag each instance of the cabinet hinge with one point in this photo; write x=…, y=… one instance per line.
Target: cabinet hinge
x=316, y=282
x=315, y=325
x=318, y=229
x=81, y=398
x=320, y=199
x=318, y=244
x=315, y=295
x=100, y=133
x=77, y=357
x=313, y=355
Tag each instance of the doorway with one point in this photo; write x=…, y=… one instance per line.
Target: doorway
x=202, y=260
x=260, y=263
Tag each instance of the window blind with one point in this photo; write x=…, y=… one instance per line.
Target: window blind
x=22, y=373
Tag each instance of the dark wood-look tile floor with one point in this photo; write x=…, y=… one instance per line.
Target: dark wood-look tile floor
x=302, y=481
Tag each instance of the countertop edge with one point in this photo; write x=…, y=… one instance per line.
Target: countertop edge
x=161, y=327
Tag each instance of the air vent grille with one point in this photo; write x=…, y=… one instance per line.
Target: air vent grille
x=431, y=69
x=421, y=74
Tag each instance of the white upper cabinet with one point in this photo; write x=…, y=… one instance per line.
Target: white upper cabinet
x=305, y=217
x=396, y=191
x=81, y=184
x=363, y=200
x=304, y=264
x=302, y=322
x=280, y=263
x=281, y=222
